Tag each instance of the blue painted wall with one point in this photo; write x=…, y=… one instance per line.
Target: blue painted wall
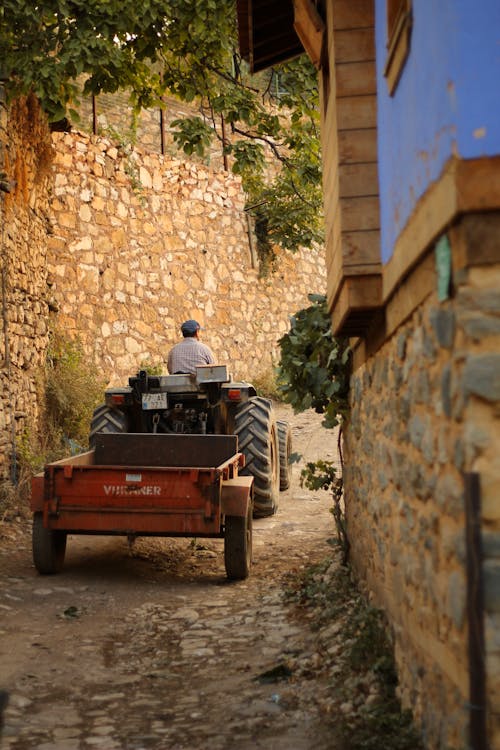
x=447, y=101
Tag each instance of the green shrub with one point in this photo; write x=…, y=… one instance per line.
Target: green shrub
x=69, y=390
x=266, y=385
x=314, y=369
x=72, y=391
x=152, y=367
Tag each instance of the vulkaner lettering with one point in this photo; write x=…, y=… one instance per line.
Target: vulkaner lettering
x=123, y=489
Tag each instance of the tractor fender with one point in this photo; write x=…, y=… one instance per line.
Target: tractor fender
x=236, y=495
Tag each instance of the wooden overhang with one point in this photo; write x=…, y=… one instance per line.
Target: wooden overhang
x=266, y=32
x=339, y=37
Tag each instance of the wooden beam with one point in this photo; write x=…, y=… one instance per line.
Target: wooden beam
x=361, y=248
x=354, y=45
x=358, y=298
x=352, y=15
x=356, y=78
x=358, y=179
x=465, y=186
x=309, y=27
x=411, y=293
x=357, y=145
x=359, y=213
x=475, y=239
x=354, y=112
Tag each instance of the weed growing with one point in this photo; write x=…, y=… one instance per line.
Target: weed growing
x=69, y=390
x=367, y=714
x=266, y=385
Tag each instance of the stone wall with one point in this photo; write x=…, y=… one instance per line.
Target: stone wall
x=143, y=241
x=111, y=114
x=424, y=411
x=25, y=160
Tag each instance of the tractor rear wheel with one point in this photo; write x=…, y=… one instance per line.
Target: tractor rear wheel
x=107, y=420
x=49, y=546
x=285, y=450
x=238, y=545
x=255, y=426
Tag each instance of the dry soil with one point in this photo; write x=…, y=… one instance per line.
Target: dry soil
x=151, y=648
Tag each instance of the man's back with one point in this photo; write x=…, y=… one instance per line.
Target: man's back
x=187, y=355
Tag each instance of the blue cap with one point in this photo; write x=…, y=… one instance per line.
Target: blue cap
x=190, y=326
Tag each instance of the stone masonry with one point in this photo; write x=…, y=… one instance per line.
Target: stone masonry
x=425, y=410
x=117, y=246
x=143, y=241
x=25, y=160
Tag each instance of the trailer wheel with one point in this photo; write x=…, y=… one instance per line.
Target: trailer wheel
x=49, y=547
x=285, y=450
x=255, y=426
x=238, y=545
x=106, y=420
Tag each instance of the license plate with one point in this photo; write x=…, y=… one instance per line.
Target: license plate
x=154, y=401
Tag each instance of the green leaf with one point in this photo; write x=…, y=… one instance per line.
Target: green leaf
x=313, y=371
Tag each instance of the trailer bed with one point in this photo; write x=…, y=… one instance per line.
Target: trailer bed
x=137, y=484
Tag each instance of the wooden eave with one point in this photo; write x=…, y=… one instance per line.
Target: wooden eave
x=266, y=33
x=358, y=301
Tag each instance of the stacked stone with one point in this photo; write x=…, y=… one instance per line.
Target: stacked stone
x=26, y=154
x=113, y=114
x=421, y=416
x=143, y=241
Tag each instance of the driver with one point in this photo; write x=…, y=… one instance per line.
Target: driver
x=189, y=353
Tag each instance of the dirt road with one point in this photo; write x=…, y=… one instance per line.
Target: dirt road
x=151, y=648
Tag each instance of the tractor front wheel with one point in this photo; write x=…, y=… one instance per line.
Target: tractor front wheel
x=49, y=547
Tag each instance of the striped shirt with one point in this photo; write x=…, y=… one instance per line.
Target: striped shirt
x=187, y=355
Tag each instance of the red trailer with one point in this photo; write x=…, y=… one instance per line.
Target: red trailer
x=139, y=484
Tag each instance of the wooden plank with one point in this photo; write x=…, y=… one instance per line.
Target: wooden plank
x=331, y=199
x=365, y=292
x=465, y=186
x=358, y=179
x=411, y=293
x=309, y=27
x=333, y=246
x=330, y=181
x=359, y=213
x=355, y=79
x=357, y=295
x=361, y=247
x=478, y=184
x=475, y=240
x=329, y=144
x=357, y=145
x=339, y=271
x=335, y=270
x=354, y=112
x=435, y=211
x=352, y=14
x=354, y=45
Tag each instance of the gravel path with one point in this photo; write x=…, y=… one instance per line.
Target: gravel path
x=151, y=648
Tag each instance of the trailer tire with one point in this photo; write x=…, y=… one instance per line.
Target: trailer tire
x=106, y=420
x=255, y=426
x=238, y=545
x=49, y=547
x=285, y=450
